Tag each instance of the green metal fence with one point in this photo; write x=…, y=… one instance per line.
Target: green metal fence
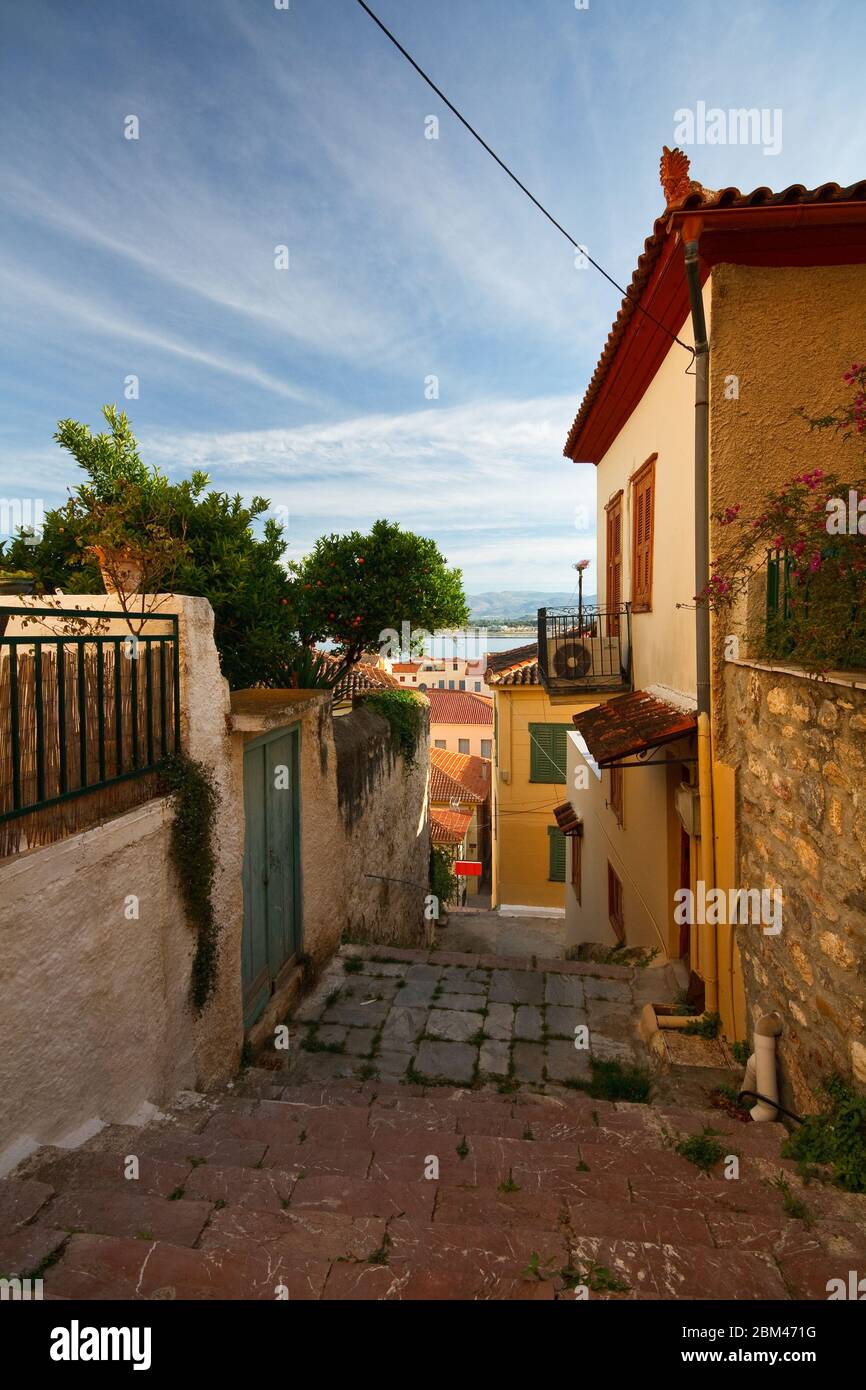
x=81, y=709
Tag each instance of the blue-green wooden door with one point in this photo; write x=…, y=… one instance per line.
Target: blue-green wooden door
x=272, y=926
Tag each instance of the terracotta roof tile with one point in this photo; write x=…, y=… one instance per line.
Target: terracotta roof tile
x=459, y=707
x=459, y=776
x=519, y=666
x=631, y=724
x=360, y=679
x=448, y=827
x=699, y=199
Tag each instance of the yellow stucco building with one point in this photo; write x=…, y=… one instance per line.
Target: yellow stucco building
x=529, y=850
x=767, y=291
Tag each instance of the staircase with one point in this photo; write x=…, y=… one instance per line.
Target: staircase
x=376, y=1189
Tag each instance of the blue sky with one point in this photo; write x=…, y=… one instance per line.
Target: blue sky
x=409, y=258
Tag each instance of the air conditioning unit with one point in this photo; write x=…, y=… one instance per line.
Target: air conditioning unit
x=572, y=658
x=688, y=807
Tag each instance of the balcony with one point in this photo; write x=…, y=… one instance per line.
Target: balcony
x=586, y=648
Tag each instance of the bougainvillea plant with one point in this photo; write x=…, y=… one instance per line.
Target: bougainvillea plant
x=814, y=530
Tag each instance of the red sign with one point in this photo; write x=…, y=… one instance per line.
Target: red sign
x=466, y=868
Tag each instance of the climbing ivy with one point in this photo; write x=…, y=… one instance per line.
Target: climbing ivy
x=405, y=715
x=194, y=800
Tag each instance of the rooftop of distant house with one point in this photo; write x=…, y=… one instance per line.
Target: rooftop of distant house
x=459, y=707
x=360, y=679
x=519, y=666
x=458, y=777
x=448, y=827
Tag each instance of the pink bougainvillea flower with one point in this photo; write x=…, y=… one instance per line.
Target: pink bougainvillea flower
x=815, y=562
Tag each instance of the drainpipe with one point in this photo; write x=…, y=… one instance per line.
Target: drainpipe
x=708, y=941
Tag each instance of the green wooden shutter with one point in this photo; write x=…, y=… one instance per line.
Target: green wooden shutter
x=556, y=852
x=548, y=752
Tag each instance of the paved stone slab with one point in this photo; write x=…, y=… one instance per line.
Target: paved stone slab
x=456, y=958
x=521, y=963
x=453, y=1024
x=611, y=1049
x=617, y=991
x=564, y=990
x=562, y=1021
x=357, y=1015
x=402, y=1027
x=313, y=1006
x=528, y=1061
x=516, y=987
x=104, y=1268
x=156, y=1177
x=528, y=1023
x=356, y=1197
x=499, y=1022
x=383, y=969
x=417, y=995
x=328, y=1034
x=462, y=982
x=23, y=1251
x=20, y=1199
x=460, y=1001
x=360, y=1040
x=423, y=974
x=452, y=1061
x=109, y=1213
x=263, y=1189
x=615, y=1020
x=566, y=1063
x=391, y=1061
x=495, y=1058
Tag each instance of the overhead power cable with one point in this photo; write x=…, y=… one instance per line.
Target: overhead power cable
x=626, y=294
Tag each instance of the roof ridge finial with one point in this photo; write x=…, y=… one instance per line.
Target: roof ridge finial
x=674, y=169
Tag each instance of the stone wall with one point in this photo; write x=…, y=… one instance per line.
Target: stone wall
x=383, y=808
x=800, y=748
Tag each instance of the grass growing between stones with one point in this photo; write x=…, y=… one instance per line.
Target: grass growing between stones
x=703, y=1150
x=792, y=1205
x=615, y=1081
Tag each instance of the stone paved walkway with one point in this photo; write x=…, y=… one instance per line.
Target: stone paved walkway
x=445, y=1017
x=324, y=1176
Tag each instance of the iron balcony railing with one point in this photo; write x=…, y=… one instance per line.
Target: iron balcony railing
x=585, y=648
x=83, y=709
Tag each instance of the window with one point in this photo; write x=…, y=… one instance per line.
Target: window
x=643, y=526
x=477, y=685
x=441, y=685
x=462, y=685
x=462, y=745
x=575, y=864
x=487, y=748
x=440, y=743
x=614, y=563
x=616, y=781
x=556, y=854
x=614, y=903
x=548, y=752
x=450, y=685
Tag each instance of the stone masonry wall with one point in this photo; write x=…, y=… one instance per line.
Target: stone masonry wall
x=383, y=807
x=800, y=748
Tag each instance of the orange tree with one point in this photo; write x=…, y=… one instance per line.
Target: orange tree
x=356, y=590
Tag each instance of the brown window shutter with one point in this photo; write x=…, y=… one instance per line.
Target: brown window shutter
x=643, y=485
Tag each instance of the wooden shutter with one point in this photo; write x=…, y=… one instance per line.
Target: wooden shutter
x=548, y=752
x=643, y=523
x=614, y=903
x=576, y=841
x=616, y=793
x=614, y=564
x=556, y=850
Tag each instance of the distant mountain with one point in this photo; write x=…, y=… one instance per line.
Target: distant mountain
x=515, y=605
